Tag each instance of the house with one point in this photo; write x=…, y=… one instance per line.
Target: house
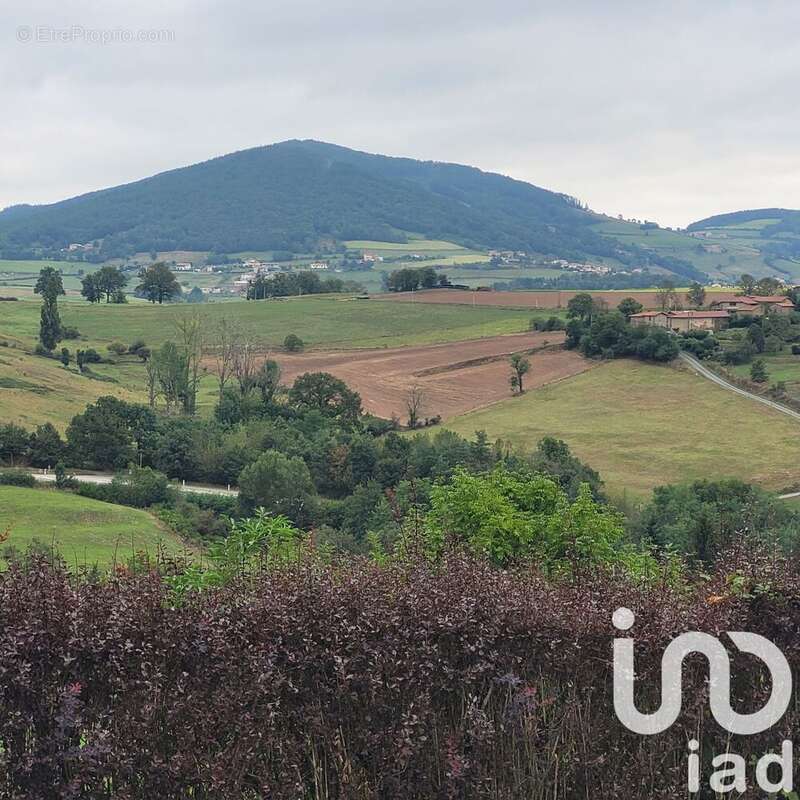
x=183, y=266
x=756, y=305
x=318, y=265
x=683, y=321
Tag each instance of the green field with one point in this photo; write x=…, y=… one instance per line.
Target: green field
x=642, y=426
x=34, y=390
x=84, y=531
x=331, y=321
x=739, y=246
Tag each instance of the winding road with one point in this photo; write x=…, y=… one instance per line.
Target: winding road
x=712, y=376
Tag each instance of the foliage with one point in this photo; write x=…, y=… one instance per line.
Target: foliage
x=628, y=307
x=758, y=371
x=49, y=285
x=409, y=279
x=281, y=484
x=520, y=366
x=108, y=433
x=549, y=324
x=292, y=195
x=17, y=477
x=158, y=283
x=293, y=343
x=506, y=517
x=702, y=519
x=609, y=335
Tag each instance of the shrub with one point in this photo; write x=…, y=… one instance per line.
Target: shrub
x=549, y=324
x=359, y=681
x=142, y=488
x=293, y=343
x=117, y=348
x=796, y=349
x=17, y=477
x=70, y=332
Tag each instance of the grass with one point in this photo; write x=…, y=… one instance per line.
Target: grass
x=412, y=246
x=332, y=321
x=84, y=531
x=34, y=390
x=643, y=425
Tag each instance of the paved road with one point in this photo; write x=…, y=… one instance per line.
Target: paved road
x=712, y=376
x=49, y=477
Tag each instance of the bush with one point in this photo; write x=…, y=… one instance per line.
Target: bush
x=142, y=488
x=796, y=349
x=305, y=681
x=69, y=332
x=293, y=344
x=549, y=324
x=17, y=477
x=117, y=348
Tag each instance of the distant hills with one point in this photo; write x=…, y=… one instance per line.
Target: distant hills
x=304, y=196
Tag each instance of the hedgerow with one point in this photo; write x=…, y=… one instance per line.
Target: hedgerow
x=353, y=680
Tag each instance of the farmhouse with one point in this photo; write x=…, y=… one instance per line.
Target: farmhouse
x=682, y=321
x=756, y=305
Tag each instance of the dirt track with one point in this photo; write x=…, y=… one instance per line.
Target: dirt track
x=554, y=300
x=454, y=377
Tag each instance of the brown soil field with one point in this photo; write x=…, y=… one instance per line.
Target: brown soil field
x=454, y=378
x=523, y=299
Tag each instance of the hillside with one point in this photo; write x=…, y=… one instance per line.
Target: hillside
x=85, y=532
x=764, y=242
x=301, y=196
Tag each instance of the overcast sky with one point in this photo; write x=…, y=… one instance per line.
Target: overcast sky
x=667, y=111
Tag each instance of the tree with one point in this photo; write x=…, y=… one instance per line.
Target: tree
x=224, y=343
x=628, y=307
x=505, y=517
x=747, y=283
x=46, y=446
x=13, y=442
x=196, y=295
x=758, y=371
x=191, y=336
x=520, y=366
x=696, y=294
x=65, y=356
x=172, y=370
x=109, y=433
x=328, y=395
x=109, y=281
x=415, y=401
x=90, y=289
x=267, y=380
x=49, y=286
x=755, y=336
x=157, y=283
x=768, y=286
x=293, y=343
x=666, y=296
x=279, y=483
x=581, y=307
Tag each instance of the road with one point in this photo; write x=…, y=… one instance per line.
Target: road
x=712, y=376
x=104, y=478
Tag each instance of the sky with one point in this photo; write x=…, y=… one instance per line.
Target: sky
x=666, y=111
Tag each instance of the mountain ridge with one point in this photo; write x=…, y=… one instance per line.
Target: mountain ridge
x=297, y=194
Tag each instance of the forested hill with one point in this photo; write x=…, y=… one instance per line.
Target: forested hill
x=774, y=232
x=294, y=195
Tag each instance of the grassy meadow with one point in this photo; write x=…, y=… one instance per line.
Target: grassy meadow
x=84, y=531
x=642, y=425
x=34, y=390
